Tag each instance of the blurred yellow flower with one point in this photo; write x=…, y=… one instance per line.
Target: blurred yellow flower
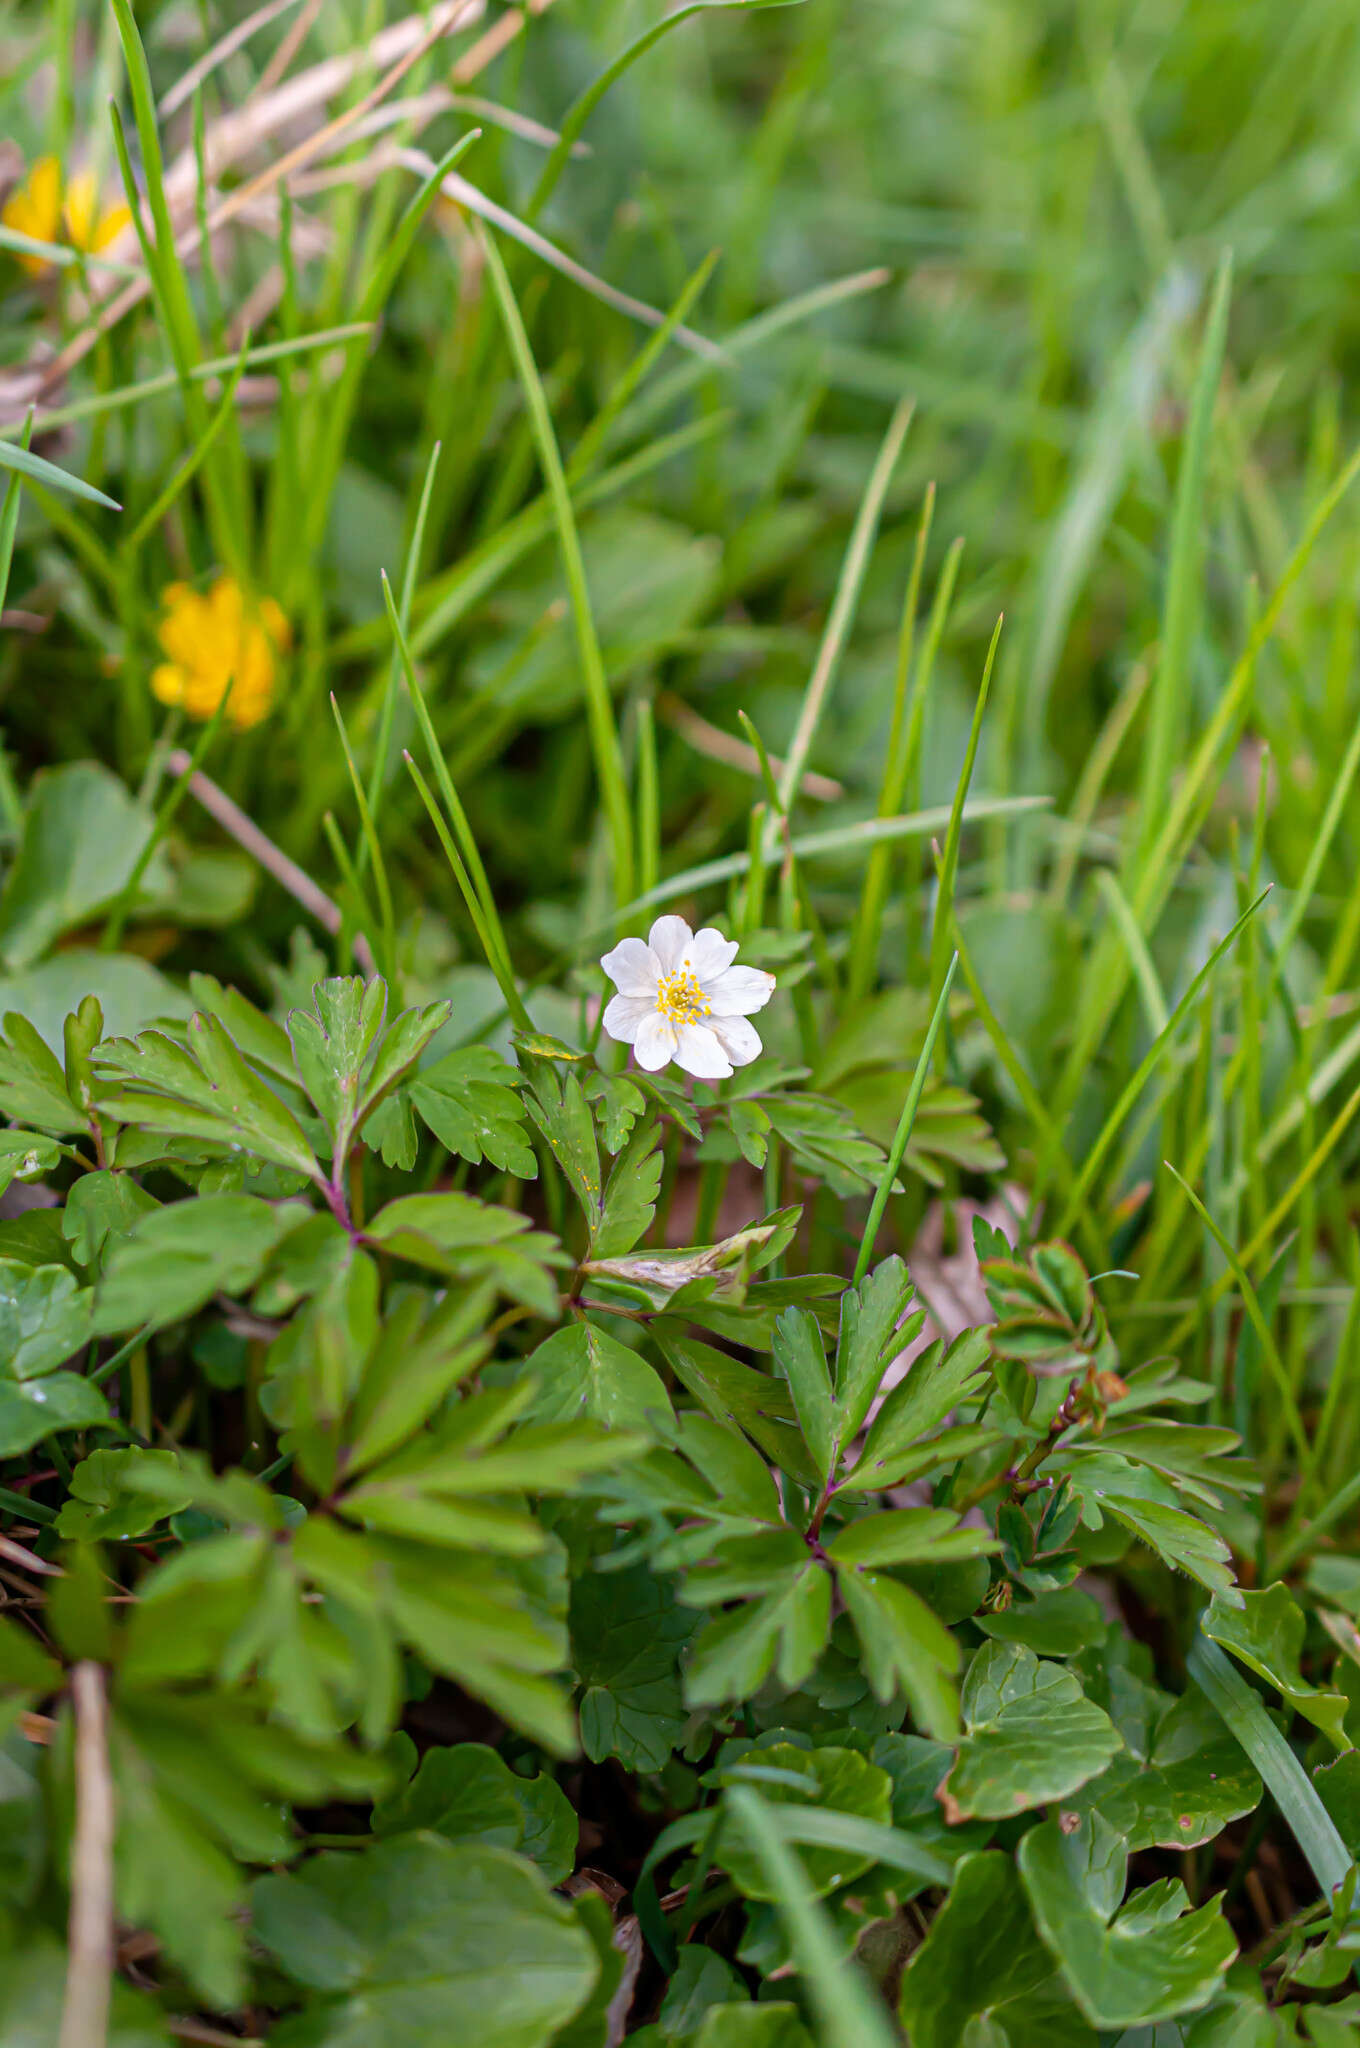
x=41, y=209
x=216, y=640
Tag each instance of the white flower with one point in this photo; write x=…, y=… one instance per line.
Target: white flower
x=680, y=998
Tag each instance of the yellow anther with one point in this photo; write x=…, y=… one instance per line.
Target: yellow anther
x=680, y=998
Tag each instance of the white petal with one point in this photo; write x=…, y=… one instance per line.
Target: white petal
x=708, y=954
x=668, y=939
x=738, y=1039
x=739, y=991
x=700, y=1054
x=624, y=1015
x=632, y=968
x=654, y=1044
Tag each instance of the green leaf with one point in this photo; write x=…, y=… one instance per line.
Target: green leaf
x=469, y=1793
x=833, y=1780
x=1179, y=1782
x=772, y=2025
x=32, y=1081
x=106, y=1503
x=582, y=1370
x=907, y=1536
x=785, y=1630
x=1266, y=1634
x=205, y=1091
x=905, y=1647
x=736, y=1394
x=983, y=1967
x=33, y=1972
x=1031, y=1736
x=33, y=1409
x=798, y=1351
x=405, y=1942
x=1129, y=1966
x=558, y=1106
x=422, y=1352
x=44, y=1318
x=471, y=1102
x=874, y=1329
x=938, y=1381
x=176, y=1258
x=469, y=1240
x=331, y=1043
x=627, y=1633
x=100, y=1206
x=1106, y=1484
x=24, y=1155
x=1056, y=1624
x=81, y=839
x=618, y=1105
x=629, y=1197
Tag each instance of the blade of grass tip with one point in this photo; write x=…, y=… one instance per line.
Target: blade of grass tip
x=902, y=1135
x=1144, y=971
x=1184, y=580
x=1289, y=1409
x=496, y=960
x=386, y=918
x=913, y=862
x=1290, y=1786
x=592, y=440
x=949, y=865
x=1133, y=1088
x=378, y=778
x=849, y=2013
x=866, y=934
x=17, y=457
x=648, y=798
x=843, y=608
x=471, y=861
x=185, y=473
x=604, y=732
x=586, y=102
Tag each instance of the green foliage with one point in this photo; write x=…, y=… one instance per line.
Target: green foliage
x=446, y=1473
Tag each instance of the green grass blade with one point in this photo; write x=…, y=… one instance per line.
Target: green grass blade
x=949, y=866
x=604, y=731
x=849, y=2013
x=1290, y=1786
x=905, y=1123
x=843, y=608
x=184, y=475
x=24, y=463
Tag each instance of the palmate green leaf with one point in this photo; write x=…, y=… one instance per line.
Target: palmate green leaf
x=470, y=1240
x=834, y=1780
x=1178, y=1786
x=32, y=1081
x=176, y=1258
x=729, y=1392
x=471, y=1102
x=907, y=1536
x=556, y=1102
x=785, y=1630
x=1031, y=1736
x=826, y=1141
x=470, y=1794
x=1146, y=1503
x=408, y=1941
x=938, y=1381
x=1266, y=1634
x=206, y=1091
x=982, y=1966
x=627, y=1633
x=258, y=1036
x=583, y=1371
x=1129, y=1965
x=875, y=1327
x=423, y=1350
x=331, y=1044
x=618, y=1104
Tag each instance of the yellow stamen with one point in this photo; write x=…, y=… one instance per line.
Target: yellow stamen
x=680, y=998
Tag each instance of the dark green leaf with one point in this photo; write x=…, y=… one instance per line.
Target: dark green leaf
x=1031, y=1736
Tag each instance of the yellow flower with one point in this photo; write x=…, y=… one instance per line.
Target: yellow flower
x=213, y=641
x=42, y=210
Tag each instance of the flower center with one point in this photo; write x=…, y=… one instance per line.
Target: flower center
x=680, y=998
